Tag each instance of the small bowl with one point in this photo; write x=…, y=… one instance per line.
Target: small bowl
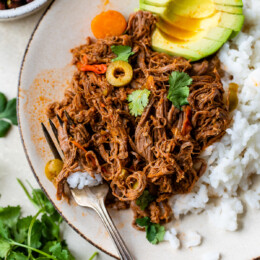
x=22, y=11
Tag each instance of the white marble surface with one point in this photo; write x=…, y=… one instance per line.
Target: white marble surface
x=14, y=37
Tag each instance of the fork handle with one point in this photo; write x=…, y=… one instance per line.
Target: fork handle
x=113, y=232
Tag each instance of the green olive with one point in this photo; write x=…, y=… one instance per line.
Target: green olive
x=233, y=98
x=119, y=73
x=53, y=168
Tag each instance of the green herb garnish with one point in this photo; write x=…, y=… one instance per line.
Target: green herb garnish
x=122, y=52
x=154, y=232
x=145, y=199
x=179, y=91
x=7, y=114
x=138, y=100
x=33, y=237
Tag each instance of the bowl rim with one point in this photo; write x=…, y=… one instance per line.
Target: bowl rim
x=24, y=145
x=22, y=10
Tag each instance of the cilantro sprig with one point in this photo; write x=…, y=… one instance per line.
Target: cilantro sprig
x=138, y=100
x=33, y=237
x=145, y=199
x=179, y=90
x=122, y=52
x=154, y=232
x=7, y=114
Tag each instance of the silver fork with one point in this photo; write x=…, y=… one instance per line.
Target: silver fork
x=91, y=197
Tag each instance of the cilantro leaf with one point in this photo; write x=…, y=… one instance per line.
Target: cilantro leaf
x=154, y=232
x=10, y=111
x=3, y=102
x=9, y=215
x=151, y=233
x=143, y=222
x=32, y=237
x=179, y=91
x=4, y=128
x=138, y=100
x=16, y=256
x=50, y=229
x=7, y=111
x=22, y=229
x=59, y=252
x=4, y=247
x=36, y=234
x=4, y=231
x=122, y=52
x=145, y=199
x=159, y=234
x=40, y=199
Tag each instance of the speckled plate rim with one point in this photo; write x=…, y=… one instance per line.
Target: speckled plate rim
x=23, y=142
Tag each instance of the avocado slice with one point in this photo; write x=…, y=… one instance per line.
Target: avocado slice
x=176, y=32
x=194, y=50
x=232, y=21
x=215, y=33
x=155, y=2
x=234, y=7
x=192, y=8
x=229, y=2
x=220, y=34
x=238, y=3
x=229, y=9
x=201, y=9
x=159, y=10
x=221, y=19
x=162, y=44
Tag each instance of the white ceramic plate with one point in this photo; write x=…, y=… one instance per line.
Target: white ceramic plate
x=45, y=73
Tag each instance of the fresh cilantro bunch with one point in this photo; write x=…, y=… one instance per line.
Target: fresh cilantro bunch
x=154, y=232
x=138, y=100
x=7, y=114
x=145, y=199
x=122, y=52
x=179, y=90
x=33, y=237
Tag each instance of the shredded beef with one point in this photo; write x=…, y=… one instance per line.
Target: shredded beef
x=159, y=150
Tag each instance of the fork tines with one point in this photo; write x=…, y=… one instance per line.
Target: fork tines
x=54, y=130
x=60, y=120
x=70, y=120
x=50, y=142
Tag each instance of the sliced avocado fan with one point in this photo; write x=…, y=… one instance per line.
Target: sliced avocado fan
x=194, y=29
x=222, y=2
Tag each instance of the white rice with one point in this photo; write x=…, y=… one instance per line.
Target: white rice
x=237, y=156
x=191, y=239
x=81, y=179
x=224, y=216
x=171, y=236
